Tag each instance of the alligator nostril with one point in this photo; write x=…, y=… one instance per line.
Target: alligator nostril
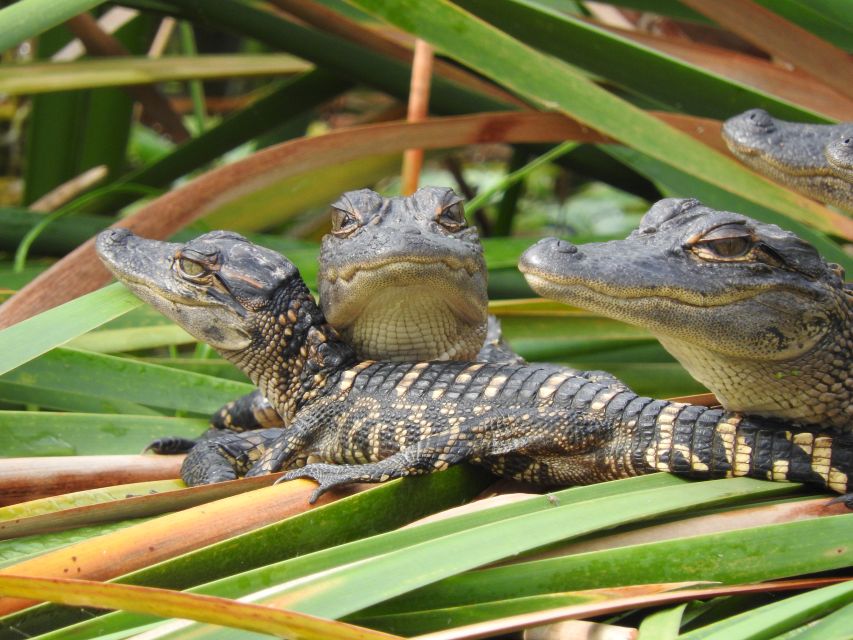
x=561, y=246
x=118, y=235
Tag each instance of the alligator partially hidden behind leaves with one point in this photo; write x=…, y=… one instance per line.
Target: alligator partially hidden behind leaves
x=814, y=159
x=751, y=310
x=368, y=421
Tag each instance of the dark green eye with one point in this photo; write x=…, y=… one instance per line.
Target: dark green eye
x=452, y=217
x=191, y=268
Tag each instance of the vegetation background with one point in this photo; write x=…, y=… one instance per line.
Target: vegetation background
x=178, y=116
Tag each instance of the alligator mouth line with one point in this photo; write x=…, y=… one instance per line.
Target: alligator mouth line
x=782, y=168
x=452, y=264
x=539, y=279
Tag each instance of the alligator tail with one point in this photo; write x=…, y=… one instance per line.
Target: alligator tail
x=712, y=443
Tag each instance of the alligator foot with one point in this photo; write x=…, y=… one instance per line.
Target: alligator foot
x=170, y=445
x=331, y=475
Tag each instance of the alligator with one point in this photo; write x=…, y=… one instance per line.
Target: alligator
x=749, y=309
x=352, y=420
x=401, y=279
x=792, y=153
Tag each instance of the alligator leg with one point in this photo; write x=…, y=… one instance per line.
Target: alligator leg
x=227, y=457
x=249, y=412
x=429, y=455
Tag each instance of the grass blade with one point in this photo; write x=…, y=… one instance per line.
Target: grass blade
x=30, y=339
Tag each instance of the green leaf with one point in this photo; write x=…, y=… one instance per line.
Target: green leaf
x=35, y=433
x=27, y=18
x=113, y=378
x=31, y=338
x=662, y=625
x=732, y=557
x=765, y=622
x=117, y=71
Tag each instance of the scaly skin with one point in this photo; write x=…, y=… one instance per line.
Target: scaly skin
x=792, y=153
x=385, y=420
x=401, y=279
x=750, y=310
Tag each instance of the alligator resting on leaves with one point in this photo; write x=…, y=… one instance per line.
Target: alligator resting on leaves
x=380, y=420
x=751, y=310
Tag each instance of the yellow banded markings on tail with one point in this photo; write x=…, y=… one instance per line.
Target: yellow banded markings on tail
x=780, y=470
x=660, y=451
x=822, y=456
x=838, y=481
x=349, y=376
x=410, y=378
x=552, y=383
x=726, y=430
x=804, y=441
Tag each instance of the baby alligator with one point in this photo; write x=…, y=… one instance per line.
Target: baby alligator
x=751, y=311
x=809, y=158
x=381, y=420
x=401, y=279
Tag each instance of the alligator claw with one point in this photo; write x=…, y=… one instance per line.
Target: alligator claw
x=170, y=445
x=845, y=498
x=326, y=475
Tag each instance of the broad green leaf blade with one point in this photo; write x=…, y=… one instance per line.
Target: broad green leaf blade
x=28, y=18
x=66, y=76
x=133, y=339
x=113, y=378
x=834, y=625
x=353, y=588
x=48, y=433
x=553, y=84
x=739, y=556
x=165, y=603
x=778, y=617
x=85, y=498
x=26, y=340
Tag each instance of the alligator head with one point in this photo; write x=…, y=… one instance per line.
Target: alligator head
x=751, y=310
x=404, y=278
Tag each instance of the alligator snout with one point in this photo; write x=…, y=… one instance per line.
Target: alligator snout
x=117, y=235
x=541, y=256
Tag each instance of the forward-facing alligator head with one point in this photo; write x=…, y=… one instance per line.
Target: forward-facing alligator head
x=404, y=278
x=750, y=310
x=792, y=153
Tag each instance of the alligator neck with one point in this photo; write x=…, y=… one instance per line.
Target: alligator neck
x=294, y=352
x=813, y=388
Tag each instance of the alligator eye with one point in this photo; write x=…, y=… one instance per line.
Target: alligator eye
x=452, y=217
x=192, y=269
x=344, y=222
x=725, y=243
